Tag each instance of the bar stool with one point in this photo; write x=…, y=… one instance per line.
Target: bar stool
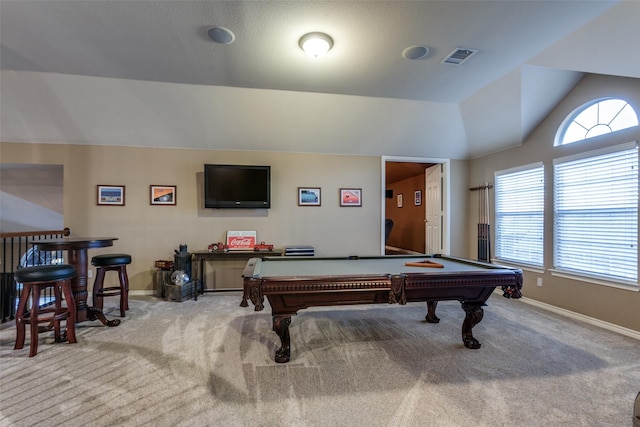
x=34, y=280
x=111, y=262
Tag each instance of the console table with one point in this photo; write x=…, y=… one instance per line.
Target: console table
x=200, y=258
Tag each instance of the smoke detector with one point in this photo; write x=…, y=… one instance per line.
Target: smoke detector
x=221, y=35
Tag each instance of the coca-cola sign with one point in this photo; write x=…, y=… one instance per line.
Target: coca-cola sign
x=241, y=240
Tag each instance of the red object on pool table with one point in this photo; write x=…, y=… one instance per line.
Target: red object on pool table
x=291, y=284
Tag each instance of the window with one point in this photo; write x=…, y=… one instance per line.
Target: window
x=596, y=118
x=596, y=214
x=519, y=210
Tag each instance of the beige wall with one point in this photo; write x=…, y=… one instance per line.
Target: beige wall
x=617, y=306
x=150, y=233
x=153, y=232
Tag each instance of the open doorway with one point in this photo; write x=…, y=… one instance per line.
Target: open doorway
x=415, y=214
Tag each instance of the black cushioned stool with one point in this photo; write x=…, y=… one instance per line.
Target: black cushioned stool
x=33, y=280
x=111, y=262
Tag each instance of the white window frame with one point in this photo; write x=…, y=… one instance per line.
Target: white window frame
x=519, y=215
x=595, y=118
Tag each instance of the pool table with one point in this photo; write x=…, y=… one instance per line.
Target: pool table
x=294, y=283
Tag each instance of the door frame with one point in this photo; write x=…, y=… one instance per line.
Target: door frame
x=446, y=199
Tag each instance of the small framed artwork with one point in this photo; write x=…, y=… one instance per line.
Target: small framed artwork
x=163, y=195
x=308, y=196
x=111, y=195
x=350, y=197
x=417, y=198
x=399, y=200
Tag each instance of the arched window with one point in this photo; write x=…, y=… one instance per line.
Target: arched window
x=595, y=118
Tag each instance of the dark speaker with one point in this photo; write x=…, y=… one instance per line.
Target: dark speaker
x=389, y=194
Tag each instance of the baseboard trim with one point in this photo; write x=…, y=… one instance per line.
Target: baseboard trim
x=577, y=316
x=142, y=293
x=131, y=292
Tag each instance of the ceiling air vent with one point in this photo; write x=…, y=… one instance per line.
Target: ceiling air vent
x=459, y=55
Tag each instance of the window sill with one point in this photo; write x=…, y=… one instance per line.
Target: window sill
x=627, y=286
x=526, y=267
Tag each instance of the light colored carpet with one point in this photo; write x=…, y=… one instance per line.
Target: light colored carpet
x=210, y=363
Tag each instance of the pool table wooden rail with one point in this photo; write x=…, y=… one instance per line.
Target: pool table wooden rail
x=288, y=294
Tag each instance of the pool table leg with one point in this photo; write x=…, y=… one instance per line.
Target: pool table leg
x=431, y=312
x=281, y=327
x=252, y=291
x=474, y=314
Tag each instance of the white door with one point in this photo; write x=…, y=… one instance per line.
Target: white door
x=433, y=210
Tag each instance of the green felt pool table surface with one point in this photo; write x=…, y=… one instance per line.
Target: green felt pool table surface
x=387, y=265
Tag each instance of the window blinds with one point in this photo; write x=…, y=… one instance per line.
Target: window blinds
x=596, y=213
x=519, y=210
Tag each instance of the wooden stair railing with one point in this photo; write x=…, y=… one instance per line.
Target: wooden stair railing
x=15, y=248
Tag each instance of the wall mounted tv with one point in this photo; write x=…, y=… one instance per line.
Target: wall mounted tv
x=237, y=186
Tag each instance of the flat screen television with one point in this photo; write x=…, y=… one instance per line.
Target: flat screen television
x=237, y=186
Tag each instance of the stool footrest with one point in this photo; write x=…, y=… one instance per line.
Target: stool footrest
x=110, y=292
x=57, y=316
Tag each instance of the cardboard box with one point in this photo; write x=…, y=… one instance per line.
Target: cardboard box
x=178, y=293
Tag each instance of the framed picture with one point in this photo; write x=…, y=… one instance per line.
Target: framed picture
x=163, y=194
x=111, y=195
x=417, y=198
x=350, y=197
x=308, y=196
x=399, y=200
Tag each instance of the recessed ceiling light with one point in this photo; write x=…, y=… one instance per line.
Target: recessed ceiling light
x=221, y=35
x=316, y=45
x=415, y=52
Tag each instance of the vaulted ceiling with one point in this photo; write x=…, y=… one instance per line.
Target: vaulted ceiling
x=145, y=73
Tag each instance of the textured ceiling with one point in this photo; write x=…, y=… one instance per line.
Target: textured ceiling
x=145, y=73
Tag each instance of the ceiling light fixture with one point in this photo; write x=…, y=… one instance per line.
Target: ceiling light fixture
x=316, y=45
